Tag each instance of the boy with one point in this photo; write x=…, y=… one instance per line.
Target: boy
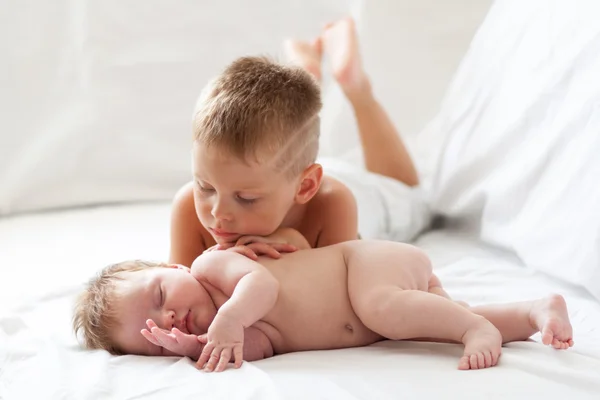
x=256, y=134
x=345, y=295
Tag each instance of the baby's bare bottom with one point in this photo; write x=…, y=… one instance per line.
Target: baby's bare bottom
x=395, y=294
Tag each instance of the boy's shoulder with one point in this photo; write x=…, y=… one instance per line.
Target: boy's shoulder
x=189, y=238
x=334, y=206
x=331, y=193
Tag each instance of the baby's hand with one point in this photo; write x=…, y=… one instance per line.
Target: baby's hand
x=225, y=338
x=175, y=341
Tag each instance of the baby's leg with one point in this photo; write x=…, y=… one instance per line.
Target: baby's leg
x=435, y=287
x=518, y=321
x=383, y=149
x=388, y=287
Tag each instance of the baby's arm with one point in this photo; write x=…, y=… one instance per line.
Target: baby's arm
x=253, y=291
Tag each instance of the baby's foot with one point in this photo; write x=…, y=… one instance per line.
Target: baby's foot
x=549, y=315
x=483, y=345
x=306, y=55
x=341, y=46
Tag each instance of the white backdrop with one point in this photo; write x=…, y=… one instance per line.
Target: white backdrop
x=97, y=97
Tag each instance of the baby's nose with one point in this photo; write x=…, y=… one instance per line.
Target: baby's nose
x=169, y=320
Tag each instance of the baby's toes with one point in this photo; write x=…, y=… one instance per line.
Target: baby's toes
x=547, y=337
x=463, y=364
x=488, y=359
x=474, y=361
x=495, y=357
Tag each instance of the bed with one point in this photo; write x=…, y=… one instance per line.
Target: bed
x=508, y=159
x=40, y=357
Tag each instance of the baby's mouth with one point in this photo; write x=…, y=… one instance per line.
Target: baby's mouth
x=187, y=322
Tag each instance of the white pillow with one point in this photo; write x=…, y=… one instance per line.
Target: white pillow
x=522, y=119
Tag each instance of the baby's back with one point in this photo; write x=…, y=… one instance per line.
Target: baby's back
x=313, y=310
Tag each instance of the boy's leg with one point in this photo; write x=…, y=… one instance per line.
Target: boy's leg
x=307, y=55
x=383, y=149
x=387, y=284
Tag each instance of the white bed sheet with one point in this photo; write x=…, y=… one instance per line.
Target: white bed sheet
x=46, y=257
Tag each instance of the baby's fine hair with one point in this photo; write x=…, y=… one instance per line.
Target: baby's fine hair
x=95, y=313
x=257, y=107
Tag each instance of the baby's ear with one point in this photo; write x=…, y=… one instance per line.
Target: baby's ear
x=310, y=183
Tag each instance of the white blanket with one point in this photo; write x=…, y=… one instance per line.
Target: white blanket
x=45, y=259
x=521, y=122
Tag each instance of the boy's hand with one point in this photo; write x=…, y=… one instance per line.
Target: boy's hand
x=175, y=341
x=225, y=338
x=254, y=246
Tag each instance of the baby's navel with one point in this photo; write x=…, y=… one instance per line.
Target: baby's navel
x=349, y=328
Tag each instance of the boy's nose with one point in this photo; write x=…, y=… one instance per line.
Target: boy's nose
x=220, y=213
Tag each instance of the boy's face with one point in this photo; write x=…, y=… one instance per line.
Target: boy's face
x=171, y=297
x=234, y=198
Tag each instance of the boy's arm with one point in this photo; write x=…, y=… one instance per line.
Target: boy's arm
x=187, y=239
x=340, y=216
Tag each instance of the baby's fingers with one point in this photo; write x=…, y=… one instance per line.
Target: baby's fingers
x=150, y=324
x=205, y=355
x=150, y=337
x=224, y=360
x=238, y=356
x=213, y=360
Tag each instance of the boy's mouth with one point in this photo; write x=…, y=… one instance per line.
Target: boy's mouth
x=223, y=234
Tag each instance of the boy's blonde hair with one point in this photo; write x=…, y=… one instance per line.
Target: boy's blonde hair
x=96, y=314
x=257, y=106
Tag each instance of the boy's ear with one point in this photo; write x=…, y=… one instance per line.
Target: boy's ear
x=310, y=183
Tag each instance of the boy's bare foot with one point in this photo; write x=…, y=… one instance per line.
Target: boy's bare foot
x=306, y=55
x=483, y=345
x=341, y=46
x=549, y=315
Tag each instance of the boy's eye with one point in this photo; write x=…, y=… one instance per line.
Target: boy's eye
x=206, y=189
x=245, y=200
x=162, y=297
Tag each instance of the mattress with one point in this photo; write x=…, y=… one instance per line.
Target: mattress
x=45, y=258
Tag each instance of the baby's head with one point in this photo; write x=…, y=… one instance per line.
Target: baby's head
x=256, y=138
x=114, y=307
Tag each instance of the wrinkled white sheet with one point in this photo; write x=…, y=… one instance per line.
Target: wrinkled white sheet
x=521, y=123
x=45, y=258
